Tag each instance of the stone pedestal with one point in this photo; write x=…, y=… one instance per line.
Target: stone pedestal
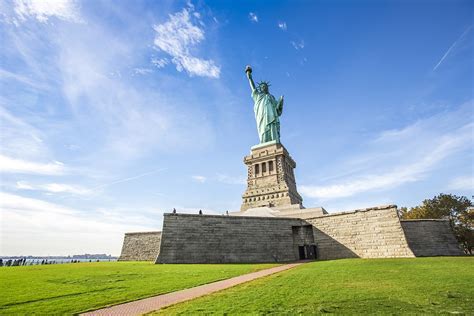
x=271, y=180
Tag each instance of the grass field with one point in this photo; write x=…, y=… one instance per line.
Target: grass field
x=73, y=288
x=352, y=286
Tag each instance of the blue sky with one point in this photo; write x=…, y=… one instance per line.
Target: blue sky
x=114, y=112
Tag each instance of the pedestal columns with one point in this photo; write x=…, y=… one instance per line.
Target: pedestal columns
x=270, y=177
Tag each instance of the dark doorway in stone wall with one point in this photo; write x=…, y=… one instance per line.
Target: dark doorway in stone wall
x=302, y=252
x=311, y=252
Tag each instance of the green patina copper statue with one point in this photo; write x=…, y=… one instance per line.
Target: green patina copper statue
x=267, y=110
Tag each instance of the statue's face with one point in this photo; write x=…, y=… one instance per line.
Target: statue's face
x=264, y=88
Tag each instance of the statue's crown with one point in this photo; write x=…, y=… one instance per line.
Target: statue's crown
x=263, y=83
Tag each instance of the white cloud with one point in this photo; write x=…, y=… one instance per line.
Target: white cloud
x=224, y=178
x=401, y=156
x=199, y=67
x=93, y=86
x=160, y=62
x=464, y=183
x=18, y=138
x=11, y=165
x=7, y=76
x=298, y=45
x=176, y=37
x=253, y=17
x=282, y=25
x=142, y=71
x=363, y=184
x=64, y=188
x=39, y=227
x=54, y=188
x=138, y=176
x=111, y=120
x=22, y=185
x=200, y=179
x=129, y=120
x=42, y=10
x=220, y=177
x=10, y=202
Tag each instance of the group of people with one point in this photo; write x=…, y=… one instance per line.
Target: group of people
x=13, y=262
x=25, y=262
x=200, y=212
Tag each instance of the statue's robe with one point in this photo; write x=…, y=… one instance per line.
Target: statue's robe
x=267, y=111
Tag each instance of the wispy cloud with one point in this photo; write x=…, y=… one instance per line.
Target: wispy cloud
x=298, y=44
x=398, y=176
x=130, y=119
x=10, y=165
x=224, y=178
x=402, y=156
x=220, y=177
x=43, y=10
x=142, y=71
x=95, y=102
x=53, y=188
x=20, y=139
x=464, y=183
x=177, y=36
x=160, y=62
x=74, y=189
x=22, y=185
x=200, y=179
x=128, y=179
x=282, y=25
x=60, y=227
x=7, y=75
x=9, y=202
x=451, y=48
x=253, y=17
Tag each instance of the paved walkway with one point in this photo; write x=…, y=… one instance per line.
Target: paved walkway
x=157, y=302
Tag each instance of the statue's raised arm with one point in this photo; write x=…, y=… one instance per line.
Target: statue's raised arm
x=248, y=71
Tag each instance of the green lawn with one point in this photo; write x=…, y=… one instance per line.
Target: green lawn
x=74, y=288
x=351, y=286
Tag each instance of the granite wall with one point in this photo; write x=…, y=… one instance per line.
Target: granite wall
x=190, y=238
x=431, y=237
x=140, y=246
x=367, y=233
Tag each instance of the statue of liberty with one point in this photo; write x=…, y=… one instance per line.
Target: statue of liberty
x=267, y=110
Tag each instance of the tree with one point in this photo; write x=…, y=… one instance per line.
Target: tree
x=458, y=209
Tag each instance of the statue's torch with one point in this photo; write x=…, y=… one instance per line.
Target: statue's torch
x=248, y=69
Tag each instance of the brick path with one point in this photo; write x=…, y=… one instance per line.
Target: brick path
x=157, y=302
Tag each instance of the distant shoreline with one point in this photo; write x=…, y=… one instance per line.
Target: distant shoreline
x=75, y=257
x=33, y=261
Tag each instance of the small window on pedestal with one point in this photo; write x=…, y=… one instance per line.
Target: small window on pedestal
x=264, y=167
x=257, y=169
x=270, y=166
